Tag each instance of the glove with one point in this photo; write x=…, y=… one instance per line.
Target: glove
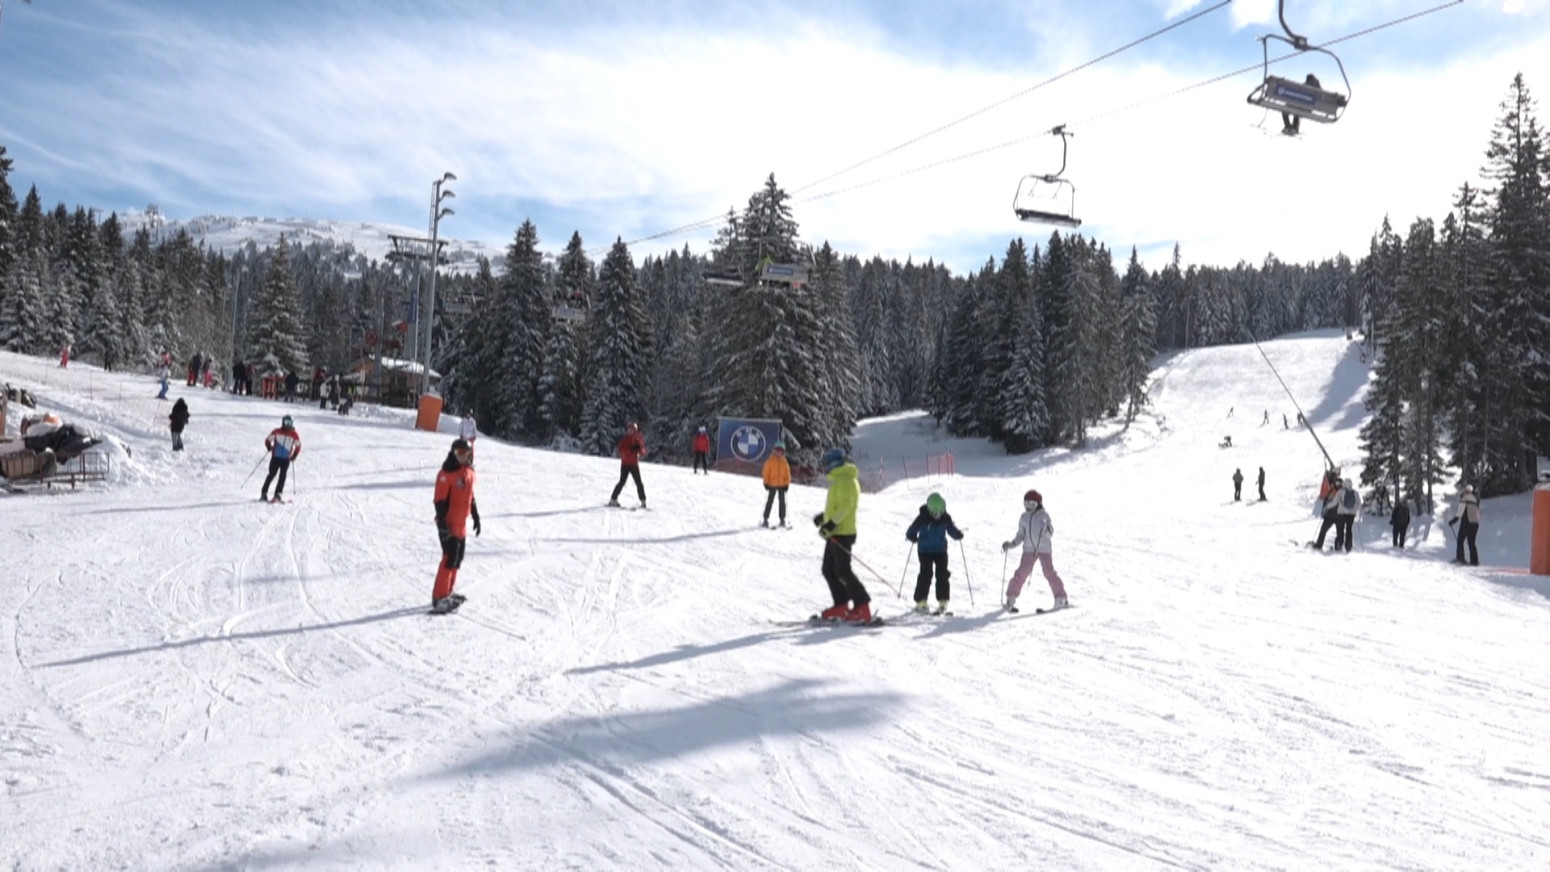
x=1006, y=546
x=477, y=529
x=1453, y=522
x=818, y=520
x=913, y=538
x=827, y=528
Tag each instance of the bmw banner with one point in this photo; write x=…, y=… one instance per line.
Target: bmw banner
x=744, y=443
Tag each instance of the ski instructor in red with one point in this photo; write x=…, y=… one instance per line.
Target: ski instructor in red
x=455, y=505
x=632, y=447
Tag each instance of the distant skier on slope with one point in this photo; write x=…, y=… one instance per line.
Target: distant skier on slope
x=1035, y=532
x=455, y=506
x=837, y=525
x=701, y=448
x=929, y=532
x=1400, y=521
x=179, y=419
x=1237, y=484
x=1468, y=519
x=1346, y=514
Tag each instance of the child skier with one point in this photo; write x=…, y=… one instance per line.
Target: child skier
x=1034, y=532
x=179, y=419
x=284, y=445
x=929, y=532
x=455, y=506
x=777, y=479
x=837, y=525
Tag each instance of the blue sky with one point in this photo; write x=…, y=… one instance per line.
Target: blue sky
x=625, y=119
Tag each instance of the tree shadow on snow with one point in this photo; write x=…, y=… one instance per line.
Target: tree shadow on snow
x=615, y=742
x=231, y=637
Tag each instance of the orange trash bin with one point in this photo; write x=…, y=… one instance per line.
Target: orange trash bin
x=1539, y=541
x=429, y=415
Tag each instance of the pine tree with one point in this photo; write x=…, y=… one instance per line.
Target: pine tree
x=522, y=317
x=1138, y=342
x=275, y=339
x=621, y=352
x=9, y=244
x=1022, y=420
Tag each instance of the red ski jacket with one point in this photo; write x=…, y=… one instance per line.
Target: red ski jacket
x=631, y=449
x=701, y=442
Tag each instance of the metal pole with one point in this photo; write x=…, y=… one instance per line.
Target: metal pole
x=437, y=195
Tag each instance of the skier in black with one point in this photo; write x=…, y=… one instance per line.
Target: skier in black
x=1400, y=521
x=179, y=418
x=1261, y=484
x=1237, y=485
x=1292, y=124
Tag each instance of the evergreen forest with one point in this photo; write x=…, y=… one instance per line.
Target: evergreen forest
x=1046, y=339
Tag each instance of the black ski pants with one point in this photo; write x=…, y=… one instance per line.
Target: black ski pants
x=844, y=586
x=928, y=563
x=1344, y=531
x=280, y=466
x=769, y=497
x=702, y=461
x=626, y=473
x=1467, y=533
x=1329, y=521
x=1399, y=534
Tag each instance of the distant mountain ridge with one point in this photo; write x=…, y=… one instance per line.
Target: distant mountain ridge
x=229, y=233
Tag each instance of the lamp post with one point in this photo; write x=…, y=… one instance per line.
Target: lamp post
x=438, y=212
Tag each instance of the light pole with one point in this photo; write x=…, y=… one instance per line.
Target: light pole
x=438, y=212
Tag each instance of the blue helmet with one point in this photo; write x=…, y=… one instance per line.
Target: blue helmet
x=832, y=459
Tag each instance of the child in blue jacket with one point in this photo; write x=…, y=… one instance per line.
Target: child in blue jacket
x=929, y=533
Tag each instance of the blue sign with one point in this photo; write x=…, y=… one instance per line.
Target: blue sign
x=746, y=440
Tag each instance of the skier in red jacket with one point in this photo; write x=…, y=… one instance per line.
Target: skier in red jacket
x=455, y=506
x=702, y=451
x=632, y=447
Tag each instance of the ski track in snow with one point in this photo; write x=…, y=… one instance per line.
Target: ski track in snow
x=198, y=680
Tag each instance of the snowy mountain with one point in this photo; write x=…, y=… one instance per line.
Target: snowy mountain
x=229, y=233
x=197, y=680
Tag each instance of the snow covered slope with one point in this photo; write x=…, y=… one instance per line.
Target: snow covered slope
x=194, y=680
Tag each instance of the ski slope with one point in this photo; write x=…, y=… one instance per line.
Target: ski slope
x=195, y=680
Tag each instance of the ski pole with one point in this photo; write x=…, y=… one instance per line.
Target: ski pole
x=966, y=580
x=896, y=591
x=255, y=469
x=906, y=566
x=1004, y=555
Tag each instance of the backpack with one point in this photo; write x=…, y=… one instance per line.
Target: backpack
x=1348, y=499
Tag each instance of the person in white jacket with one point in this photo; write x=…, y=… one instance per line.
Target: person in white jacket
x=1034, y=532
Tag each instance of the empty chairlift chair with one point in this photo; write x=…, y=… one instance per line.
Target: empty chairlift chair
x=1048, y=199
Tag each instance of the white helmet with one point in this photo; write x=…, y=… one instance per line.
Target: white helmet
x=1469, y=488
x=1345, y=482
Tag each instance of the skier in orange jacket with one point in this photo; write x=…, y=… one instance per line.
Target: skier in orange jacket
x=455, y=506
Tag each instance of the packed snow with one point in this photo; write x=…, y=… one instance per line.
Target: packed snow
x=197, y=680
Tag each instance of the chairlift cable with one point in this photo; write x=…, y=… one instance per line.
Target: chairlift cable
x=1112, y=112
x=696, y=225
x=706, y=222
x=1023, y=93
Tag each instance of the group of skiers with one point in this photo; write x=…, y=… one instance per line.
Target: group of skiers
x=1340, y=503
x=1237, y=484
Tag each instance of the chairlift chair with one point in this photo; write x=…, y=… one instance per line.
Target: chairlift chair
x=1306, y=99
x=793, y=274
x=1048, y=199
x=722, y=279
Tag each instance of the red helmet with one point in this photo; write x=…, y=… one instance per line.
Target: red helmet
x=1032, y=498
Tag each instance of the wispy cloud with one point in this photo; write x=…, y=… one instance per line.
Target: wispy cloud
x=617, y=121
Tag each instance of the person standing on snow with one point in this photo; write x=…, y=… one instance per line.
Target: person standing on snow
x=632, y=447
x=179, y=419
x=284, y=446
x=165, y=375
x=929, y=532
x=1035, y=531
x=1400, y=521
x=701, y=446
x=837, y=525
x=1329, y=492
x=1350, y=505
x=455, y=507
x=777, y=479
x=1468, y=519
x=1237, y=484
x=468, y=431
x=1261, y=484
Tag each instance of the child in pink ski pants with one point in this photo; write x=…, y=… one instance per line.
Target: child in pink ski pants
x=1034, y=532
